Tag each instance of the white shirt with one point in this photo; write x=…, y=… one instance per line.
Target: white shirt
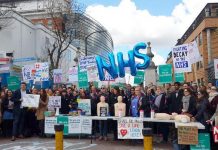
x=23, y=93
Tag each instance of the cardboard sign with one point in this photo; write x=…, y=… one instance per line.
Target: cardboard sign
x=27, y=72
x=73, y=74
x=181, y=59
x=54, y=102
x=103, y=111
x=57, y=75
x=194, y=54
x=187, y=135
x=49, y=125
x=31, y=100
x=130, y=128
x=85, y=105
x=215, y=134
x=203, y=142
x=42, y=72
x=86, y=61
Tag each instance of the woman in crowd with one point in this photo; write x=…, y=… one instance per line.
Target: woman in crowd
x=50, y=92
x=65, y=102
x=8, y=105
x=202, y=113
x=43, y=103
x=213, y=100
x=188, y=103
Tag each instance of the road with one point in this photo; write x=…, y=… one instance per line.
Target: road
x=35, y=143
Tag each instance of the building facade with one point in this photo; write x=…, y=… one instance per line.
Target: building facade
x=204, y=30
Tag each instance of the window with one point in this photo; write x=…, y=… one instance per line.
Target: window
x=200, y=39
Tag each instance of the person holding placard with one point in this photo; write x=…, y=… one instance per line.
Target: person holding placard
x=19, y=112
x=65, y=102
x=102, y=111
x=43, y=103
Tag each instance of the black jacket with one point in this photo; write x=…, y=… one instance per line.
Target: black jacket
x=145, y=105
x=192, y=106
x=94, y=101
x=6, y=103
x=175, y=102
x=112, y=101
x=163, y=108
x=16, y=98
x=65, y=102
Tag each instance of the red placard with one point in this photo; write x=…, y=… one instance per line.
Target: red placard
x=215, y=134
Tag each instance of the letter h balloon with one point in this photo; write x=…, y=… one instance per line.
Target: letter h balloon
x=112, y=67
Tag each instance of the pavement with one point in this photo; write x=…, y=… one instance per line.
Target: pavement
x=36, y=143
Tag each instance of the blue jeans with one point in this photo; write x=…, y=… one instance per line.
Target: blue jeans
x=18, y=124
x=103, y=127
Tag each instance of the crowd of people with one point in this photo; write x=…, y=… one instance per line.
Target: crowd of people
x=197, y=102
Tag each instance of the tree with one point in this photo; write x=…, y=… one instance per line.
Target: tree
x=63, y=16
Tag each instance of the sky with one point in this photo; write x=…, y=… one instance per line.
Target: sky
x=161, y=22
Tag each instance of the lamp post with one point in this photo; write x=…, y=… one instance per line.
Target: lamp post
x=86, y=38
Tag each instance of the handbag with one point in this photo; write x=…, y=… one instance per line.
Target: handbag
x=7, y=115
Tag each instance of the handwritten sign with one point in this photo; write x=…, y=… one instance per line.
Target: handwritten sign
x=181, y=59
x=85, y=105
x=54, y=102
x=73, y=74
x=57, y=75
x=49, y=125
x=130, y=128
x=86, y=127
x=187, y=135
x=42, y=72
x=86, y=61
x=27, y=72
x=74, y=125
x=30, y=100
x=92, y=73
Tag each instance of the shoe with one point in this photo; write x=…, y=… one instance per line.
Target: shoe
x=13, y=138
x=105, y=138
x=100, y=138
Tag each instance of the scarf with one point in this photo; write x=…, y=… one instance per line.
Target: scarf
x=212, y=95
x=185, y=102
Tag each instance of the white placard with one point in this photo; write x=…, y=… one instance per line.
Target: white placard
x=194, y=54
x=42, y=72
x=57, y=75
x=130, y=128
x=92, y=73
x=86, y=61
x=181, y=60
x=30, y=100
x=86, y=126
x=49, y=125
x=216, y=68
x=54, y=102
x=27, y=72
x=85, y=105
x=73, y=74
x=74, y=126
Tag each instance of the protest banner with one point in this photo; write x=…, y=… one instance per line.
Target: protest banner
x=42, y=72
x=181, y=59
x=27, y=72
x=187, y=135
x=103, y=111
x=203, y=142
x=194, y=54
x=215, y=134
x=63, y=120
x=83, y=80
x=86, y=126
x=139, y=78
x=13, y=83
x=92, y=72
x=130, y=128
x=31, y=100
x=54, y=102
x=57, y=75
x=74, y=125
x=216, y=68
x=49, y=125
x=73, y=74
x=165, y=73
x=179, y=77
x=85, y=105
x=86, y=61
